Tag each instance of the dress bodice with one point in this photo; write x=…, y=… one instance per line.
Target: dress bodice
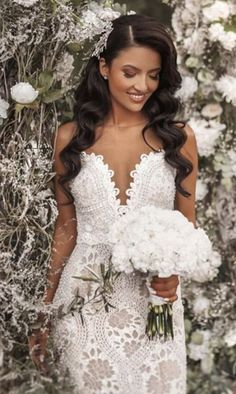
x=96, y=195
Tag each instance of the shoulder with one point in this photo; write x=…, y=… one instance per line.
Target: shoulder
x=64, y=134
x=189, y=148
x=62, y=137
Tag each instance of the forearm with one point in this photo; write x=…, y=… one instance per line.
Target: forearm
x=64, y=240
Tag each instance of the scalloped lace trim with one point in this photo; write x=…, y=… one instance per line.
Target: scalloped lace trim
x=114, y=191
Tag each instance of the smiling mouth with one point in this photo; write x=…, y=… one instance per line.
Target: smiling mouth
x=138, y=98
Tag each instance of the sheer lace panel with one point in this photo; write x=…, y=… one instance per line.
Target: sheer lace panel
x=110, y=353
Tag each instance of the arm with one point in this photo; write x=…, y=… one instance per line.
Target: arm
x=166, y=287
x=64, y=239
x=65, y=232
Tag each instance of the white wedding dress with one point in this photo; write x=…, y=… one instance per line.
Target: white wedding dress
x=110, y=352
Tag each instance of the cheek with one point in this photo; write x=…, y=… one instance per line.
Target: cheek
x=119, y=85
x=153, y=85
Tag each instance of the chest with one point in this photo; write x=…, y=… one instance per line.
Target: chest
x=152, y=183
x=122, y=154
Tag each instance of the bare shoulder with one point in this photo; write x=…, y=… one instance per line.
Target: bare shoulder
x=190, y=146
x=62, y=137
x=65, y=133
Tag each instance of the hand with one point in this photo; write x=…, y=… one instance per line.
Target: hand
x=37, y=344
x=166, y=287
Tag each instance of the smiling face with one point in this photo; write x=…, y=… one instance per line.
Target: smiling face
x=133, y=76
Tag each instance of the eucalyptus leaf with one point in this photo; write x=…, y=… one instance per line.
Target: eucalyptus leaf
x=45, y=79
x=76, y=3
x=73, y=47
x=52, y=95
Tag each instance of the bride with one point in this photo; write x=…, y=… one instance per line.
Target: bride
x=125, y=149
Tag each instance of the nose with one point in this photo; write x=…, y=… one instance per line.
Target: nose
x=141, y=85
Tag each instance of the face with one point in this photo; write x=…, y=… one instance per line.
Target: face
x=133, y=76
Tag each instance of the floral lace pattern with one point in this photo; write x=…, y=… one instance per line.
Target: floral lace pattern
x=110, y=353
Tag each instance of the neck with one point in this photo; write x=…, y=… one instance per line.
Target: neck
x=123, y=118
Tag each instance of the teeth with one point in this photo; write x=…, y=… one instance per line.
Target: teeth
x=138, y=97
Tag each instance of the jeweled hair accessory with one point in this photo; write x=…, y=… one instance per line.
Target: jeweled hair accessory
x=97, y=25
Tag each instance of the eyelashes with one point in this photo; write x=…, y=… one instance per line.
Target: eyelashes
x=155, y=78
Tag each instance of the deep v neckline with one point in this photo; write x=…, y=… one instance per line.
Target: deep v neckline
x=115, y=191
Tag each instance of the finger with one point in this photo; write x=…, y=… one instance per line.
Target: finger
x=169, y=278
x=163, y=286
x=166, y=294
x=170, y=283
x=173, y=299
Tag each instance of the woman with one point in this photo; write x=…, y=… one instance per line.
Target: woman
x=123, y=150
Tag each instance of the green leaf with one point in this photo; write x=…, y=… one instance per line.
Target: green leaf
x=76, y=2
x=231, y=25
x=19, y=107
x=73, y=47
x=45, y=79
x=52, y=95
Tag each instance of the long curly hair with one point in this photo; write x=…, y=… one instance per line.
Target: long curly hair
x=93, y=103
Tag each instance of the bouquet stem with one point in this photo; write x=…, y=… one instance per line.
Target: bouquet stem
x=160, y=321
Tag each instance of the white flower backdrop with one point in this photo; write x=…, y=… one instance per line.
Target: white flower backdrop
x=40, y=47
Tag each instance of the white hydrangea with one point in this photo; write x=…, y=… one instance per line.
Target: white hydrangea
x=26, y=3
x=24, y=93
x=226, y=38
x=4, y=105
x=227, y=86
x=216, y=11
x=188, y=88
x=207, y=133
x=201, y=189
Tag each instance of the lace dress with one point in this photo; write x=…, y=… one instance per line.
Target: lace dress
x=110, y=352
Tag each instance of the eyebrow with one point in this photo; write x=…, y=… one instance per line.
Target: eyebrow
x=136, y=68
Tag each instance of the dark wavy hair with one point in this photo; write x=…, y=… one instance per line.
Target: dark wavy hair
x=93, y=101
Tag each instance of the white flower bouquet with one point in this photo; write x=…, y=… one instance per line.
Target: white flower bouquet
x=160, y=242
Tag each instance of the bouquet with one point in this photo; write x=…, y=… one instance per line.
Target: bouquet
x=160, y=242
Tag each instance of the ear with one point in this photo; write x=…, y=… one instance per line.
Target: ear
x=103, y=68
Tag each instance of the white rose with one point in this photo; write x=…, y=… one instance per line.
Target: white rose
x=212, y=110
x=201, y=305
x=188, y=88
x=3, y=108
x=24, y=93
x=230, y=337
x=207, y=133
x=232, y=156
x=226, y=38
x=218, y=10
x=199, y=346
x=227, y=86
x=201, y=189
